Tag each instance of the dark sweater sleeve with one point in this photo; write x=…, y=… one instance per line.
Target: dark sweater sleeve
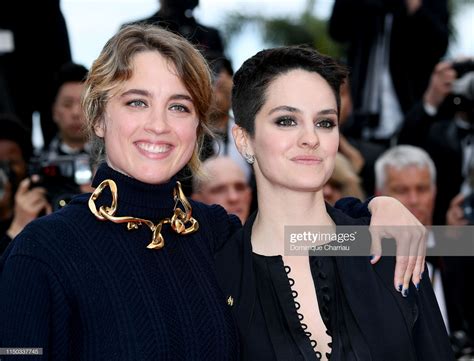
x=353, y=207
x=222, y=225
x=33, y=309
x=429, y=333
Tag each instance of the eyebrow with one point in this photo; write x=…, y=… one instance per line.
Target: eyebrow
x=181, y=97
x=287, y=108
x=146, y=93
x=327, y=112
x=136, y=92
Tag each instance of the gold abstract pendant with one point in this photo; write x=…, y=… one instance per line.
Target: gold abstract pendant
x=181, y=221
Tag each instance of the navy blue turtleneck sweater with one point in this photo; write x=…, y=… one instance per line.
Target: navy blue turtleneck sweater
x=85, y=289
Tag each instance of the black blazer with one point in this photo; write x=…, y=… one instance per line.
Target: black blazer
x=376, y=310
x=206, y=38
x=417, y=42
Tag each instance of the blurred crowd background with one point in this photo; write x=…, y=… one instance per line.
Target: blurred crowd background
x=242, y=41
x=406, y=122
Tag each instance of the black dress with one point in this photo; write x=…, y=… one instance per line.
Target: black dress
x=366, y=317
x=277, y=325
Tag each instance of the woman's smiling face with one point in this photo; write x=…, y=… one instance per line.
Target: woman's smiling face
x=150, y=123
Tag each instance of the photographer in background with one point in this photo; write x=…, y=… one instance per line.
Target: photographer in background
x=38, y=45
x=64, y=167
x=67, y=113
x=177, y=17
x=393, y=46
x=19, y=204
x=443, y=124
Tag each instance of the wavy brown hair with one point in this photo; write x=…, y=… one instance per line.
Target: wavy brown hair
x=113, y=67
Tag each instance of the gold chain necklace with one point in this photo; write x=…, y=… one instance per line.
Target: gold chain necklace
x=181, y=222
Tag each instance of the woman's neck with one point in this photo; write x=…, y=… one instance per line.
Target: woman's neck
x=136, y=198
x=279, y=207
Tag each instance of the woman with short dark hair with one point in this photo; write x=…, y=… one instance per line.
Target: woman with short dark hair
x=128, y=273
x=296, y=306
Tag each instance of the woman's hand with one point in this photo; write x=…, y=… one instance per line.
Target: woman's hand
x=391, y=219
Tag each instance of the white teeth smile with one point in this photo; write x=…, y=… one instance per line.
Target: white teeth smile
x=154, y=148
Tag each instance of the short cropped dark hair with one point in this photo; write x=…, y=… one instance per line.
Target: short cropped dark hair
x=253, y=78
x=69, y=72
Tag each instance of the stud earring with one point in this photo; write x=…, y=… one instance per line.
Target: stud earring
x=249, y=158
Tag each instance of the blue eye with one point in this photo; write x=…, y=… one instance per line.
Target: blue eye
x=137, y=103
x=326, y=123
x=180, y=108
x=285, y=122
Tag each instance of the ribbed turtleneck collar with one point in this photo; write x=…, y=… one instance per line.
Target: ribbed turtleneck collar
x=136, y=198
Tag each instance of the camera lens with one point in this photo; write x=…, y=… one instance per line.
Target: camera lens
x=82, y=170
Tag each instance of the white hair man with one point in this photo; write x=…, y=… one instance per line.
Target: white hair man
x=226, y=185
x=408, y=174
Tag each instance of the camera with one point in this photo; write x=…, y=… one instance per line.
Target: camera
x=463, y=67
x=461, y=98
x=62, y=177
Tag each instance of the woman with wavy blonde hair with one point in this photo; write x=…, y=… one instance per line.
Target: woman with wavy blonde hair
x=128, y=272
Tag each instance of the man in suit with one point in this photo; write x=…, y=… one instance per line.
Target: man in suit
x=177, y=16
x=408, y=174
x=393, y=46
x=40, y=45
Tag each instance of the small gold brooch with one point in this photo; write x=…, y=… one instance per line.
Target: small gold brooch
x=230, y=301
